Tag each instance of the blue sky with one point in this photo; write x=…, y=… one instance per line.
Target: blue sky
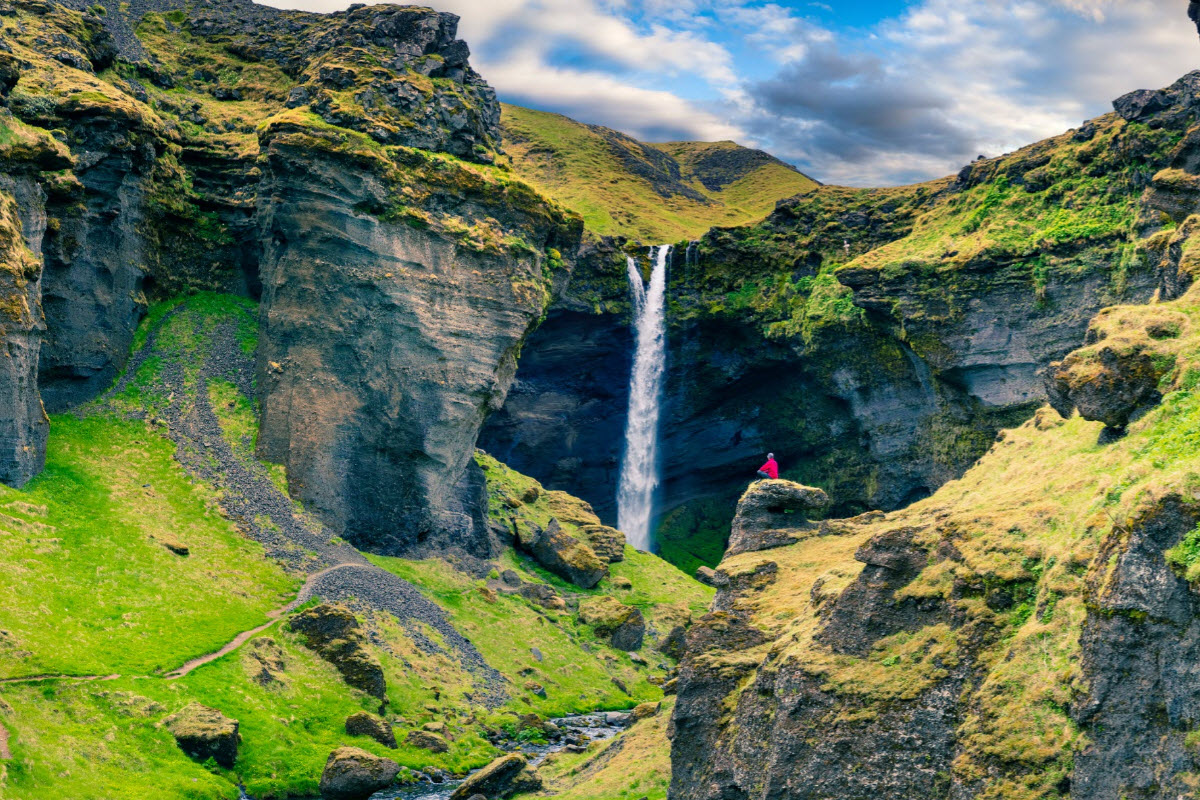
x=879, y=92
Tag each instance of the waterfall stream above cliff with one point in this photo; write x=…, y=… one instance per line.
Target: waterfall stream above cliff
x=639, y=468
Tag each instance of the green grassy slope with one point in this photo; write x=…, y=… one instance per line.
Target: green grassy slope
x=91, y=589
x=651, y=193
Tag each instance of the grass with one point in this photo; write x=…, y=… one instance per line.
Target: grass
x=90, y=587
x=636, y=765
x=603, y=175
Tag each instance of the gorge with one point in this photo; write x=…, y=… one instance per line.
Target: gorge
x=356, y=429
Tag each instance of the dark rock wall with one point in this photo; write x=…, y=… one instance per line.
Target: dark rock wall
x=23, y=423
x=384, y=348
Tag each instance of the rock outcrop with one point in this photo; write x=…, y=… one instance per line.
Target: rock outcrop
x=1117, y=375
x=335, y=635
x=561, y=553
x=772, y=513
x=608, y=543
x=353, y=774
x=624, y=625
x=205, y=733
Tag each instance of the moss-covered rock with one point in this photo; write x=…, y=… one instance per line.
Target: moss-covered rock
x=623, y=625
x=504, y=777
x=205, y=733
x=336, y=635
x=563, y=554
x=353, y=774
x=608, y=543
x=363, y=723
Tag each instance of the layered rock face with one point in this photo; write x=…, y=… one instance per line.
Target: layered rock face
x=375, y=403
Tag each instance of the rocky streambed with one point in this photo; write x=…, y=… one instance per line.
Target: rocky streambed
x=570, y=734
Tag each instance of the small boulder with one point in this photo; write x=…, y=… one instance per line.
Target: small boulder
x=622, y=583
x=503, y=777
x=205, y=733
x=353, y=774
x=624, y=625
x=674, y=643
x=428, y=741
x=771, y=513
x=363, y=723
x=334, y=633
x=608, y=543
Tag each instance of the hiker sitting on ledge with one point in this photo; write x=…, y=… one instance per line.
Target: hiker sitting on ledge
x=769, y=469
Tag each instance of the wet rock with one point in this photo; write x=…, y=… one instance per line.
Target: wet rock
x=335, y=634
x=608, y=543
x=205, y=733
x=624, y=625
x=504, y=777
x=353, y=774
x=564, y=555
x=363, y=723
x=771, y=514
x=263, y=661
x=425, y=740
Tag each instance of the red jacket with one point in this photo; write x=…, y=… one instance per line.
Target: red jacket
x=771, y=468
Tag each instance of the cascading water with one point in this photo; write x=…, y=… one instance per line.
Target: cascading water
x=639, y=469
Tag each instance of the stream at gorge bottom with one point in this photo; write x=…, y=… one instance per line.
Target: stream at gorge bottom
x=575, y=733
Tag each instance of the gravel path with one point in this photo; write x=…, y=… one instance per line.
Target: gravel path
x=336, y=571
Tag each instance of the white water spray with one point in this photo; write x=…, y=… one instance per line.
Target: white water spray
x=639, y=470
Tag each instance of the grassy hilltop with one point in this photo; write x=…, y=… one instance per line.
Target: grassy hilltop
x=648, y=192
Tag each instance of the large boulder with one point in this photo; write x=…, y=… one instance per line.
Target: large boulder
x=1115, y=376
x=624, y=625
x=503, y=777
x=428, y=740
x=562, y=554
x=205, y=733
x=772, y=513
x=363, y=723
x=608, y=543
x=353, y=774
x=334, y=633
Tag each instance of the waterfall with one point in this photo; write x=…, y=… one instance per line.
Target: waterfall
x=639, y=469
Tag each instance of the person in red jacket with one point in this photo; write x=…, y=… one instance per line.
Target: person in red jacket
x=769, y=469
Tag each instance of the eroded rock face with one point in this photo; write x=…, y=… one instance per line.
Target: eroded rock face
x=772, y=513
x=353, y=774
x=205, y=733
x=1140, y=643
x=335, y=634
x=374, y=403
x=23, y=423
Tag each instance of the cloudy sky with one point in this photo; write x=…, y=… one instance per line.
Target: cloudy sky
x=861, y=92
